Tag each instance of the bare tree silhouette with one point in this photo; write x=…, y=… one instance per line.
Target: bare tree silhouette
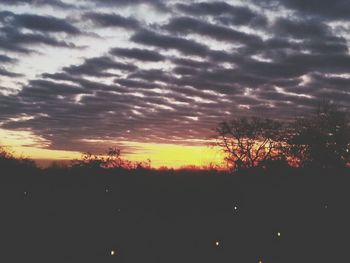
x=249, y=142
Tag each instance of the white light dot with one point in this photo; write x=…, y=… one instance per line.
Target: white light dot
x=113, y=252
x=217, y=243
x=279, y=234
x=235, y=208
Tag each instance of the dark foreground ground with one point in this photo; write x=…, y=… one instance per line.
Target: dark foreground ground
x=65, y=216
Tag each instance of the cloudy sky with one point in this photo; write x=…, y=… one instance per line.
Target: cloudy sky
x=84, y=75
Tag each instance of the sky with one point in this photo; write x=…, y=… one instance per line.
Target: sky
x=155, y=77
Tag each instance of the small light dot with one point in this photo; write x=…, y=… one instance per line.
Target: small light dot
x=112, y=253
x=235, y=208
x=217, y=243
x=279, y=234
x=260, y=261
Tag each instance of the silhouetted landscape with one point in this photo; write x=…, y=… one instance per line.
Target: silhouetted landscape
x=102, y=208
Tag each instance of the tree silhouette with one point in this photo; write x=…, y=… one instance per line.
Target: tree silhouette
x=112, y=159
x=322, y=140
x=249, y=142
x=5, y=154
x=9, y=161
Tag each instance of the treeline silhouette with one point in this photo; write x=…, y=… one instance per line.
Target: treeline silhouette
x=286, y=201
x=320, y=141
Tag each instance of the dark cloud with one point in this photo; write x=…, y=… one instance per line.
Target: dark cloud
x=13, y=40
x=138, y=54
x=191, y=25
x=112, y=20
x=44, y=23
x=183, y=45
x=98, y=66
x=185, y=71
x=212, y=8
x=324, y=63
x=6, y=59
x=6, y=73
x=158, y=4
x=50, y=89
x=317, y=36
x=224, y=12
x=134, y=83
x=191, y=63
x=54, y=3
x=335, y=10
x=301, y=28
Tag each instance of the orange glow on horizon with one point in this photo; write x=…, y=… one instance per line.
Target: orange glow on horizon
x=25, y=144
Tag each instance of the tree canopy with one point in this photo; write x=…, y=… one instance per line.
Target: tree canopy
x=319, y=141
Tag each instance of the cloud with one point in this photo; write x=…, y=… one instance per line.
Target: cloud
x=6, y=59
x=44, y=23
x=336, y=10
x=97, y=67
x=112, y=20
x=169, y=42
x=223, y=12
x=190, y=25
x=12, y=39
x=54, y=3
x=158, y=4
x=6, y=73
x=171, y=74
x=301, y=28
x=138, y=54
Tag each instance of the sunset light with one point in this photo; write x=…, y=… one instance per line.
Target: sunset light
x=174, y=131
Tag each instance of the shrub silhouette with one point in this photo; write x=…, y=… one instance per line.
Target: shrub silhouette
x=9, y=162
x=110, y=160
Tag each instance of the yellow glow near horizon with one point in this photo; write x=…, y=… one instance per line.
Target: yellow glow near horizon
x=175, y=156
x=26, y=144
